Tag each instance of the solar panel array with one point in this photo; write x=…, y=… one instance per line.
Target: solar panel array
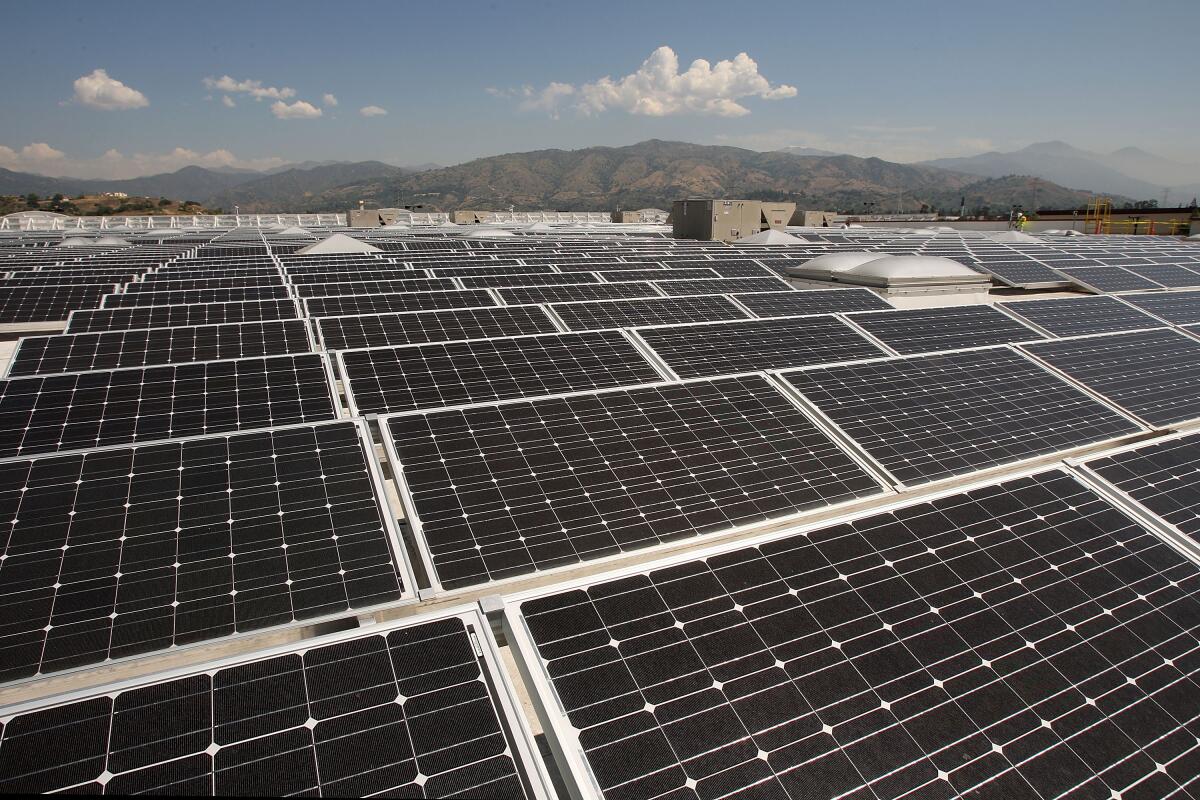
x=176, y=468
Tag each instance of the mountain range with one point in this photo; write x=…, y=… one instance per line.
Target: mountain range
x=653, y=173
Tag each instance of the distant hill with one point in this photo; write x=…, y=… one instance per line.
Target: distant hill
x=798, y=150
x=1128, y=171
x=653, y=173
x=301, y=189
x=189, y=183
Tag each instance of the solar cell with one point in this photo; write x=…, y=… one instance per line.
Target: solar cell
x=195, y=296
x=1169, y=275
x=505, y=489
x=416, y=327
x=109, y=319
x=406, y=709
x=1023, y=639
x=823, y=301
x=393, y=303
x=652, y=311
x=1108, y=279
x=721, y=286
x=1162, y=476
x=587, y=291
x=928, y=330
x=1178, y=308
x=345, y=287
x=1154, y=375
x=80, y=352
x=49, y=303
x=80, y=410
x=123, y=551
x=1074, y=316
x=724, y=348
x=435, y=375
x=925, y=418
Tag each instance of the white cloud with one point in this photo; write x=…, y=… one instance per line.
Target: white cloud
x=43, y=159
x=659, y=89
x=329, y=100
x=99, y=91
x=372, y=111
x=250, y=87
x=297, y=110
x=227, y=101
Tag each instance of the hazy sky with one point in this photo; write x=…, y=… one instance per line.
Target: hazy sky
x=139, y=87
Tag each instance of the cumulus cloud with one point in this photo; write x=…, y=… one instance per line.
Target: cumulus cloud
x=372, y=111
x=297, y=110
x=659, y=89
x=329, y=100
x=43, y=159
x=227, y=101
x=252, y=88
x=105, y=93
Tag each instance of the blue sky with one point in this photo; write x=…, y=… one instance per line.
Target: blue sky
x=904, y=81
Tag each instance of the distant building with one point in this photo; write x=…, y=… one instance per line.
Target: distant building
x=644, y=216
x=727, y=220
x=117, y=195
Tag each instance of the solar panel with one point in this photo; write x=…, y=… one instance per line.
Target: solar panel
x=657, y=274
x=195, y=296
x=416, y=327
x=111, y=319
x=80, y=352
x=1108, y=279
x=1023, y=640
x=1169, y=275
x=652, y=311
x=925, y=418
x=493, y=269
x=411, y=708
x=1026, y=272
x=507, y=489
x=724, y=348
x=823, y=301
x=185, y=284
x=80, y=410
x=401, y=285
x=391, y=303
x=358, y=276
x=586, y=291
x=1154, y=375
x=928, y=330
x=721, y=286
x=487, y=281
x=48, y=303
x=1162, y=476
x=1178, y=308
x=1074, y=316
x=118, y=552
x=435, y=375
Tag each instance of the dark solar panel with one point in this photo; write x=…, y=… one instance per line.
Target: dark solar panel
x=119, y=552
x=1019, y=640
x=657, y=274
x=823, y=301
x=81, y=352
x=1154, y=375
x=1162, y=476
x=1178, y=308
x=96, y=409
x=1075, y=316
x=1169, y=275
x=587, y=291
x=721, y=286
x=502, y=490
x=358, y=276
x=409, y=710
x=651, y=311
x=925, y=418
x=486, y=281
x=384, y=380
x=110, y=319
x=725, y=348
x=48, y=303
x=416, y=327
x=185, y=284
x=1108, y=279
x=195, y=296
x=1022, y=273
x=374, y=287
x=391, y=303
x=493, y=269
x=927, y=330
